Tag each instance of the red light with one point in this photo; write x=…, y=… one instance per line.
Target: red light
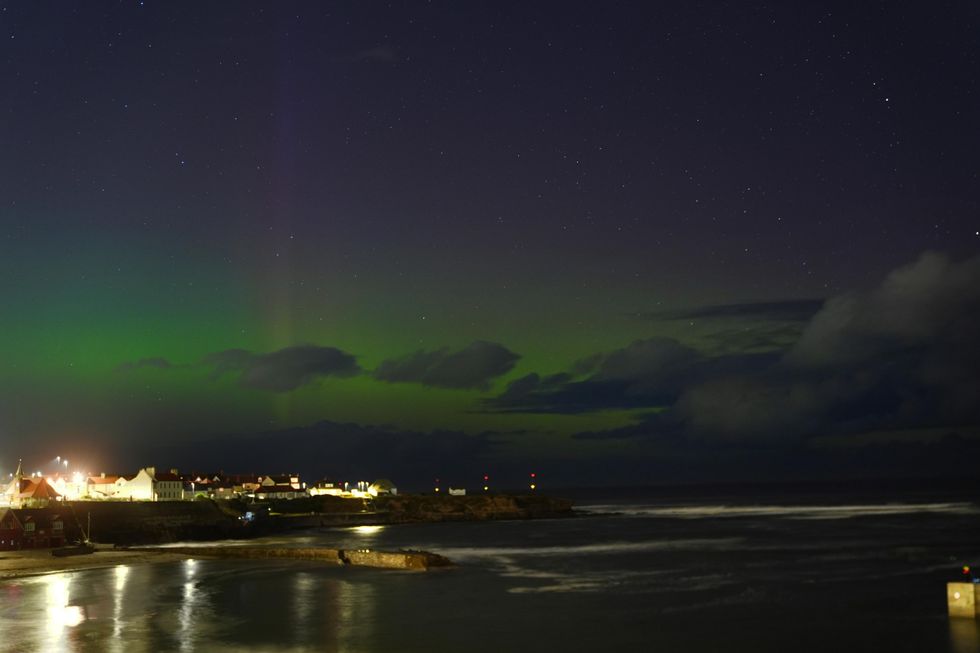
x=486, y=477
x=533, y=474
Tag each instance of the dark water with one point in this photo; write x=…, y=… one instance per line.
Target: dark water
x=669, y=573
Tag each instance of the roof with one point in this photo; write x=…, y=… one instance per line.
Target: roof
x=167, y=476
x=6, y=513
x=102, y=480
x=37, y=489
x=281, y=478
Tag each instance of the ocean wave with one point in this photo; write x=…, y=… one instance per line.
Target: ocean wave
x=790, y=512
x=579, y=582
x=624, y=581
x=599, y=548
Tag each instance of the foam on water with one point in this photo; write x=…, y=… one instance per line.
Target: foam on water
x=715, y=511
x=599, y=548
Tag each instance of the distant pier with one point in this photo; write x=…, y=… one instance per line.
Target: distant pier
x=409, y=560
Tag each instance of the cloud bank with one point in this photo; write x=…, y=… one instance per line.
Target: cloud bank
x=900, y=356
x=285, y=369
x=472, y=367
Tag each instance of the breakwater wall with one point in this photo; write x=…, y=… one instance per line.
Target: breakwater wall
x=152, y=522
x=138, y=523
x=410, y=560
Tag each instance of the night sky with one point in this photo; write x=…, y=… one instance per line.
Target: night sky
x=608, y=242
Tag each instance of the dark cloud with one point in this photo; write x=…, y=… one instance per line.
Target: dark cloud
x=644, y=374
x=471, y=367
x=901, y=356
x=155, y=362
x=285, y=369
x=791, y=310
x=755, y=337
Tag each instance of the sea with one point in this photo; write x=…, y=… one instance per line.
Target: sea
x=686, y=570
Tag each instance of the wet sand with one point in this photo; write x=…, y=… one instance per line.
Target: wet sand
x=16, y=564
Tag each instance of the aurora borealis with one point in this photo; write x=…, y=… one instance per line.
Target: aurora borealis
x=709, y=241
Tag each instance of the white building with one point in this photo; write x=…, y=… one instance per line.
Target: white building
x=136, y=488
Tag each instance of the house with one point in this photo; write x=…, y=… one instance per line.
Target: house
x=224, y=486
x=34, y=493
x=326, y=487
x=279, y=492
x=281, y=479
x=136, y=488
x=71, y=488
x=457, y=491
x=11, y=530
x=31, y=529
x=102, y=487
x=168, y=486
x=42, y=529
x=382, y=486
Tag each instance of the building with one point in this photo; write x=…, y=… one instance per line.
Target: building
x=101, y=487
x=71, y=488
x=281, y=479
x=136, y=488
x=279, y=492
x=34, y=492
x=41, y=529
x=382, y=486
x=11, y=530
x=327, y=487
x=168, y=486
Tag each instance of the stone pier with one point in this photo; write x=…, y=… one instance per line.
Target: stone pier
x=411, y=560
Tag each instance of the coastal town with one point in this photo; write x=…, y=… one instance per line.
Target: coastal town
x=41, y=510
x=38, y=490
x=36, y=507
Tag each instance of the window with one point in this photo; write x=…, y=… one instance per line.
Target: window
x=29, y=527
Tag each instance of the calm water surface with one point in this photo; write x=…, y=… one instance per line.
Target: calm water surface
x=696, y=575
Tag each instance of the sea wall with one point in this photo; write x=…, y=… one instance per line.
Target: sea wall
x=134, y=523
x=409, y=560
x=138, y=522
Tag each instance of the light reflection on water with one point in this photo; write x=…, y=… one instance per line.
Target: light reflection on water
x=964, y=635
x=187, y=606
x=61, y=614
x=118, y=598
